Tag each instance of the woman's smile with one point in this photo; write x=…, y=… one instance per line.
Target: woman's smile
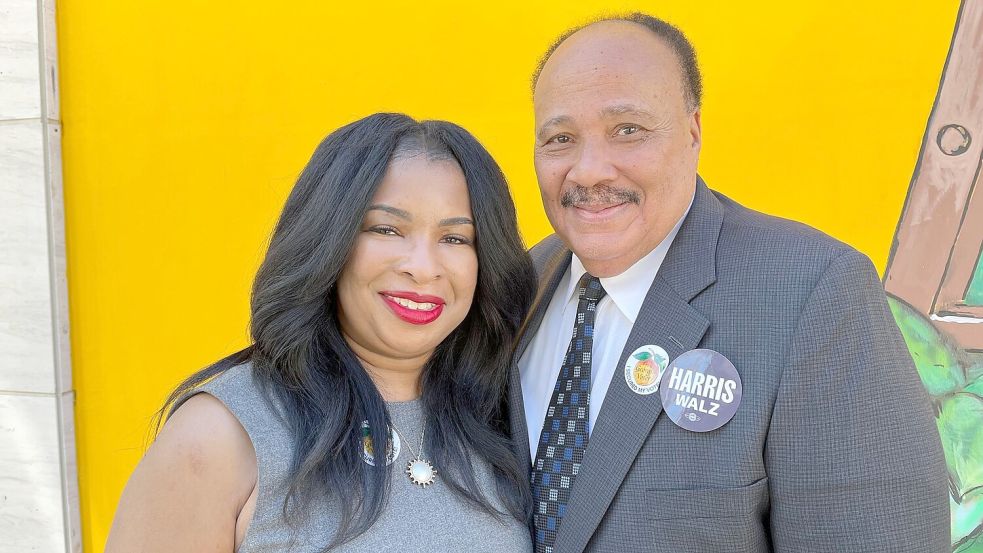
x=418, y=309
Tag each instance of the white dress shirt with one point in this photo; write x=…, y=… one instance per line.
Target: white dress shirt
x=540, y=365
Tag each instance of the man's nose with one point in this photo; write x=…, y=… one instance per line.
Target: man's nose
x=421, y=261
x=594, y=165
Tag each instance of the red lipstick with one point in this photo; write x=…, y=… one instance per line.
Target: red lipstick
x=414, y=314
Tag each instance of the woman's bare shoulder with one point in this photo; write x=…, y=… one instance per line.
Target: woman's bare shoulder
x=191, y=485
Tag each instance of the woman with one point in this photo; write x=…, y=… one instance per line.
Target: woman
x=393, y=286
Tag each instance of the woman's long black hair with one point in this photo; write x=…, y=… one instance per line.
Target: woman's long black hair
x=300, y=357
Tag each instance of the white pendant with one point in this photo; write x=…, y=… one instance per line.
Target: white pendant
x=421, y=472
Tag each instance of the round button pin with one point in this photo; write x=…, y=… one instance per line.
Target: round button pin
x=644, y=369
x=368, y=451
x=701, y=390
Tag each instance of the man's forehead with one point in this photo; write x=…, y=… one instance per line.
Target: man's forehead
x=606, y=44
x=604, y=93
x=604, y=55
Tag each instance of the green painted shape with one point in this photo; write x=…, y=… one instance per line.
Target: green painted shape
x=973, y=545
x=643, y=355
x=934, y=358
x=975, y=369
x=967, y=516
x=975, y=387
x=974, y=296
x=960, y=425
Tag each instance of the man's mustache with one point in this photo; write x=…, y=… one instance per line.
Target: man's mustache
x=599, y=194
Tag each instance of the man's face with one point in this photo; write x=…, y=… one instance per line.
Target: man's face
x=616, y=146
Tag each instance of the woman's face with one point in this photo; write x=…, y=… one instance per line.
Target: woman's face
x=411, y=276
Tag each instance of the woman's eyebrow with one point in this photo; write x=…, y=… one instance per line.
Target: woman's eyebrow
x=402, y=214
x=456, y=221
x=391, y=210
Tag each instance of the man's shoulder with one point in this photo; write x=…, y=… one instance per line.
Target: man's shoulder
x=545, y=250
x=759, y=241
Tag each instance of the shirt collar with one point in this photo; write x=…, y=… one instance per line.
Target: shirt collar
x=628, y=290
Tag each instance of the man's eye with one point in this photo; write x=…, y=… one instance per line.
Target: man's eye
x=628, y=129
x=560, y=139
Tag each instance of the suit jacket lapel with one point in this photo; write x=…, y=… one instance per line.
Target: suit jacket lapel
x=552, y=274
x=625, y=420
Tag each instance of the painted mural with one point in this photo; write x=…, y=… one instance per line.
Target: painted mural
x=934, y=277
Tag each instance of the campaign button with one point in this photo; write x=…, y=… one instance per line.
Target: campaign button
x=644, y=368
x=701, y=390
x=368, y=450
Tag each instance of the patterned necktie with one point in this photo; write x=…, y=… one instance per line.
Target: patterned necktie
x=564, y=437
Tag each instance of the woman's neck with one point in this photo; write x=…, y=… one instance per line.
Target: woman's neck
x=397, y=379
x=394, y=383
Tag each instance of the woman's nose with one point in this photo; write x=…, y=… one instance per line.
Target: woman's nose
x=421, y=262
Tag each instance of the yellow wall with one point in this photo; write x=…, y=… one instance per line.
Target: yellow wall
x=185, y=123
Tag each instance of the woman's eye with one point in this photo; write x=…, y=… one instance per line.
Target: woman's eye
x=384, y=230
x=628, y=129
x=457, y=240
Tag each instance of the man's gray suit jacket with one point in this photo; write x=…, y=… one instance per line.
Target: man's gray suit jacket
x=834, y=447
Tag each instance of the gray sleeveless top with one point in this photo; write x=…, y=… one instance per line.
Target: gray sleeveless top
x=415, y=519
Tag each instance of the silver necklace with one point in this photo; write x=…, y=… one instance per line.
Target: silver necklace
x=420, y=471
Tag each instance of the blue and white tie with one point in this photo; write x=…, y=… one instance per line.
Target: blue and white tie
x=564, y=437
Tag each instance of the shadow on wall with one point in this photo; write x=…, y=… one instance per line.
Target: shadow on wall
x=934, y=277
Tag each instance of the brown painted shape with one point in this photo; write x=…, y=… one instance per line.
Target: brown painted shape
x=941, y=229
x=962, y=263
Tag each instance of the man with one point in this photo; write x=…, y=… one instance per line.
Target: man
x=798, y=424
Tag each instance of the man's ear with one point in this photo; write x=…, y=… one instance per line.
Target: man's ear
x=696, y=129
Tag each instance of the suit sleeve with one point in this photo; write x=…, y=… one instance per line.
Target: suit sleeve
x=853, y=455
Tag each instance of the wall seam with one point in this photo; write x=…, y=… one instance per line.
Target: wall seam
x=27, y=394
x=54, y=279
x=21, y=120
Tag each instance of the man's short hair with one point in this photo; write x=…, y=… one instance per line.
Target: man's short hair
x=677, y=41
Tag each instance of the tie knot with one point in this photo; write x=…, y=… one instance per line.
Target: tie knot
x=590, y=288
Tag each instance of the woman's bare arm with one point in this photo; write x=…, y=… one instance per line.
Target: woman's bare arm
x=188, y=492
